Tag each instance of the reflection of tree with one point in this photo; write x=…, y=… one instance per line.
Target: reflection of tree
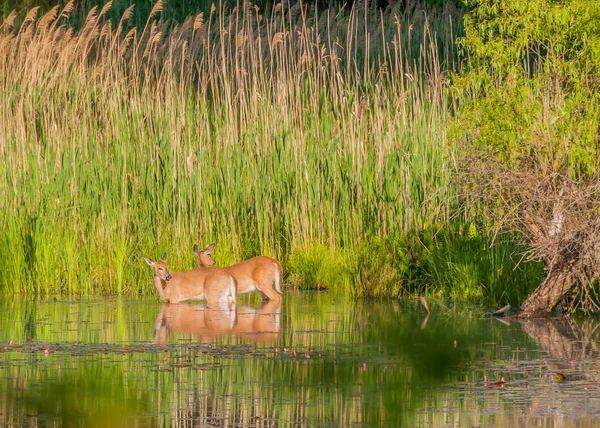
x=83, y=397
x=572, y=353
x=563, y=339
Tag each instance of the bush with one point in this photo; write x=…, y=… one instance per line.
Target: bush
x=463, y=262
x=527, y=126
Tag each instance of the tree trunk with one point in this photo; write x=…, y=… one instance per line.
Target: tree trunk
x=548, y=294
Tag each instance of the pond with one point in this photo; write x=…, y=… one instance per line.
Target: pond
x=315, y=360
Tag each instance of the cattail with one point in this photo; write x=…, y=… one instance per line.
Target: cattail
x=127, y=14
x=30, y=17
x=68, y=9
x=127, y=41
x=277, y=38
x=106, y=30
x=48, y=18
x=105, y=9
x=91, y=16
x=240, y=39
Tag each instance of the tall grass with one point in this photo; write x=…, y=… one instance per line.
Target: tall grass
x=262, y=133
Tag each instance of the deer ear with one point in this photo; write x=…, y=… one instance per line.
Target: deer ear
x=164, y=258
x=150, y=262
x=196, y=249
x=210, y=248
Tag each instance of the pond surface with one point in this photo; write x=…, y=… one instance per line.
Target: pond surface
x=315, y=360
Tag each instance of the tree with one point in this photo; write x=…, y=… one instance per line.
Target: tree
x=528, y=128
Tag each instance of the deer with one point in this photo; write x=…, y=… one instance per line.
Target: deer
x=258, y=273
x=215, y=285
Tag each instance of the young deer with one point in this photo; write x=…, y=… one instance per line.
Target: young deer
x=215, y=285
x=258, y=273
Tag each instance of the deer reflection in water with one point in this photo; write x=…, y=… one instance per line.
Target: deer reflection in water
x=259, y=325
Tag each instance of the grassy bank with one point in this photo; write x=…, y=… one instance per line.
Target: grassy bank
x=313, y=139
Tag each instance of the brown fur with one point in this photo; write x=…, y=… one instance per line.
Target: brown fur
x=215, y=285
x=261, y=273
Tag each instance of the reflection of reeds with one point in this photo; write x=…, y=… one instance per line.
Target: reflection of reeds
x=88, y=395
x=254, y=386
x=260, y=132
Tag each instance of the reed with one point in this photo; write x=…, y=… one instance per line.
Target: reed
x=262, y=133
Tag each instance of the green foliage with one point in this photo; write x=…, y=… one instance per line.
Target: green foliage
x=463, y=262
x=459, y=262
x=315, y=267
x=381, y=268
x=79, y=397
x=130, y=146
x=529, y=90
x=342, y=174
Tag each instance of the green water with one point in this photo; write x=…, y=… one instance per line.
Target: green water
x=315, y=360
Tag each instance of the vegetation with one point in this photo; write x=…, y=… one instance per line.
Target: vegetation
x=528, y=118
x=122, y=141
x=329, y=139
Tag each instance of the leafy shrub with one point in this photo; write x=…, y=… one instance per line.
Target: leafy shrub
x=529, y=92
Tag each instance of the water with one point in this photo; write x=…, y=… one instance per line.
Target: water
x=316, y=360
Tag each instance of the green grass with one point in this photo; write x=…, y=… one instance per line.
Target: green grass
x=464, y=263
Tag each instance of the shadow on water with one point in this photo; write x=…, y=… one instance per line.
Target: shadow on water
x=315, y=360
x=565, y=380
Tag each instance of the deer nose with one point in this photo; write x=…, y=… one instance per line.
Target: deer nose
x=168, y=276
